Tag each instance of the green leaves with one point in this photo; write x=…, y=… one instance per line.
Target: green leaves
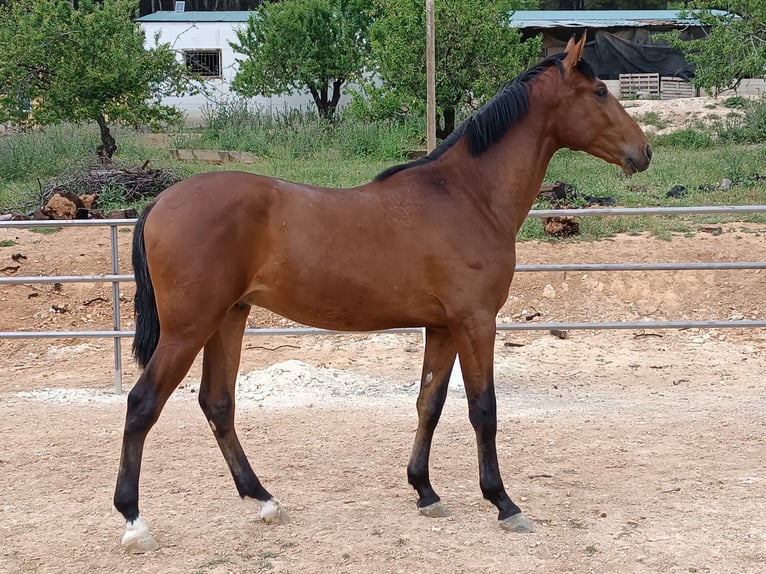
x=476, y=50
x=733, y=49
x=302, y=44
x=61, y=64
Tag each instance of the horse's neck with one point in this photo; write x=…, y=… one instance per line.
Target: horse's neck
x=513, y=169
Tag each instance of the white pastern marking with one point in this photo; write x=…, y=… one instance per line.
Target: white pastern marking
x=272, y=512
x=136, y=527
x=137, y=537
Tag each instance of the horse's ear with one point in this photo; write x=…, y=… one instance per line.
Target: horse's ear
x=574, y=52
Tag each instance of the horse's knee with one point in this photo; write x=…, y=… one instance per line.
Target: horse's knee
x=219, y=411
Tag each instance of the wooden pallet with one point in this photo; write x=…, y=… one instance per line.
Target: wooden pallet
x=639, y=85
x=671, y=88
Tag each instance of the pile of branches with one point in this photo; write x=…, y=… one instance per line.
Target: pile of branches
x=90, y=191
x=136, y=184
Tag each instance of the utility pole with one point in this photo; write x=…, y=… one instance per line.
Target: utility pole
x=430, y=77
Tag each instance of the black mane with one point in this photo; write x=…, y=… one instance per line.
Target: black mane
x=491, y=121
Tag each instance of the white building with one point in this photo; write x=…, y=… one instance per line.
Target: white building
x=201, y=40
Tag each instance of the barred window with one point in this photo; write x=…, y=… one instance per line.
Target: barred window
x=206, y=63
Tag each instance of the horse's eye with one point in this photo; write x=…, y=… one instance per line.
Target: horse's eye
x=602, y=92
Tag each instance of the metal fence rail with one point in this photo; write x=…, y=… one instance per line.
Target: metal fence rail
x=115, y=278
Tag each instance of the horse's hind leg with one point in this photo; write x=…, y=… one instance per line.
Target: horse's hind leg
x=163, y=373
x=216, y=397
x=437, y=365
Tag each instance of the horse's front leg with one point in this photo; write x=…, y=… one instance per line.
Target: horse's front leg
x=476, y=345
x=439, y=357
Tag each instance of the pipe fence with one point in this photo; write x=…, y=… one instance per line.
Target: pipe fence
x=115, y=278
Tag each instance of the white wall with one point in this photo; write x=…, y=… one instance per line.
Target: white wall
x=212, y=36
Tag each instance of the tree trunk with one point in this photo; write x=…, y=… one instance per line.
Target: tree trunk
x=326, y=105
x=335, y=96
x=108, y=146
x=448, y=115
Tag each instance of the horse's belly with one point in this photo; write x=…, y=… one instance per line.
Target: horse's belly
x=348, y=309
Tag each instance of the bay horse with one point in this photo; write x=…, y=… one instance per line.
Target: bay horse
x=430, y=243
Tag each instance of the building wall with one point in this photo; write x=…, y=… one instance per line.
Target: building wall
x=211, y=36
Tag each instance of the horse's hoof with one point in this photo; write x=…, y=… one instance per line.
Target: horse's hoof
x=517, y=523
x=435, y=510
x=272, y=512
x=137, y=538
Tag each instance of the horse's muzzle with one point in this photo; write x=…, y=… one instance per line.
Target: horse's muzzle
x=638, y=161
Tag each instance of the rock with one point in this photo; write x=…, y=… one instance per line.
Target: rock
x=725, y=184
x=549, y=292
x=59, y=207
x=88, y=200
x=561, y=226
x=676, y=191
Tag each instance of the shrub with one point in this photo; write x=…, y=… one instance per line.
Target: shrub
x=748, y=128
x=689, y=138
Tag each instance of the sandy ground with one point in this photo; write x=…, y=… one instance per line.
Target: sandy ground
x=679, y=113
x=632, y=451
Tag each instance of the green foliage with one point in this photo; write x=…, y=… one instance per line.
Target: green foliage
x=234, y=125
x=688, y=138
x=317, y=45
x=370, y=102
x=112, y=196
x=734, y=47
x=476, y=51
x=651, y=118
x=41, y=152
x=750, y=127
x=736, y=102
x=60, y=64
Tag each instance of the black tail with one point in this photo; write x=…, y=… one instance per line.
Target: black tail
x=147, y=320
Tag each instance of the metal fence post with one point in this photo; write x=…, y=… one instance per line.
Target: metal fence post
x=116, y=315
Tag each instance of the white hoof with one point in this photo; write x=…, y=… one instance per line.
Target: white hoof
x=517, y=523
x=137, y=538
x=273, y=513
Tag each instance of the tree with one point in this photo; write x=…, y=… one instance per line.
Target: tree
x=476, y=51
x=59, y=64
x=734, y=47
x=314, y=45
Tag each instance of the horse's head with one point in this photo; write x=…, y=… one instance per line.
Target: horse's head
x=587, y=117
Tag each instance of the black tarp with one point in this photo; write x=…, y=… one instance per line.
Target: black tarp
x=632, y=51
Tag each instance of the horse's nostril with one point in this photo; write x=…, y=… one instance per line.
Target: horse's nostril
x=648, y=151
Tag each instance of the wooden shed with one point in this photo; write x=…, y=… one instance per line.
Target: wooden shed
x=623, y=46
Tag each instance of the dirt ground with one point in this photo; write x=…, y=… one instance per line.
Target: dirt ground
x=631, y=451
x=679, y=113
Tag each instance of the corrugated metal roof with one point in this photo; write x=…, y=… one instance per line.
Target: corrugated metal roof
x=192, y=16
x=520, y=18
x=600, y=18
